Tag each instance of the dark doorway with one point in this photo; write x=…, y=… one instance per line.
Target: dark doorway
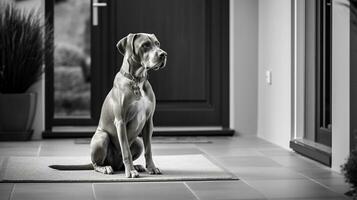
x=192, y=91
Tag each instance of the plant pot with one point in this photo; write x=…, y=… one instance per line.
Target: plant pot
x=16, y=116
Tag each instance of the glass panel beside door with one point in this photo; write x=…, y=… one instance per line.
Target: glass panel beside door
x=72, y=59
x=73, y=80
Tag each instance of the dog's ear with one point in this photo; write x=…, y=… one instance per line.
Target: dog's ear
x=126, y=44
x=154, y=36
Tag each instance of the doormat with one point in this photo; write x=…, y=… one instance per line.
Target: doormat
x=196, y=167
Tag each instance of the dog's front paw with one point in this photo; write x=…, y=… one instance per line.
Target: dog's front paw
x=131, y=173
x=153, y=170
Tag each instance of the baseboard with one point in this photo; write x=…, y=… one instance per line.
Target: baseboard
x=84, y=134
x=318, y=153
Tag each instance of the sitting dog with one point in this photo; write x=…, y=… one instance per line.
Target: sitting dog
x=127, y=111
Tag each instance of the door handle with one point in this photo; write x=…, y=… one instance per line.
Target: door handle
x=99, y=4
x=95, y=6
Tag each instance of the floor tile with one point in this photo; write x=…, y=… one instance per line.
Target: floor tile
x=336, y=184
x=14, y=148
x=138, y=191
x=224, y=190
x=5, y=190
x=319, y=172
x=296, y=188
x=251, y=161
x=230, y=151
x=276, y=152
x=332, y=181
x=249, y=142
x=171, y=146
x=53, y=191
x=296, y=162
x=33, y=144
x=175, y=151
x=19, y=151
x=183, y=140
x=341, y=189
x=61, y=142
x=263, y=173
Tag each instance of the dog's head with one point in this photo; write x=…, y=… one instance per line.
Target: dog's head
x=143, y=48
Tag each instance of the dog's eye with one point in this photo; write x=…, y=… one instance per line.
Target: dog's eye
x=146, y=45
x=157, y=44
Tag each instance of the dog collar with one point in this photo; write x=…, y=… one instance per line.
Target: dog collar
x=135, y=84
x=131, y=77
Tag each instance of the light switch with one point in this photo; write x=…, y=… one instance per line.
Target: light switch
x=268, y=77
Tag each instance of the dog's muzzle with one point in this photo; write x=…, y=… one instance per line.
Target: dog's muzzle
x=162, y=58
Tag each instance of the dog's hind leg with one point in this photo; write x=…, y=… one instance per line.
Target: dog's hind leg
x=99, y=152
x=136, y=149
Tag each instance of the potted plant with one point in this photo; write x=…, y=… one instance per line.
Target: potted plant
x=22, y=52
x=349, y=170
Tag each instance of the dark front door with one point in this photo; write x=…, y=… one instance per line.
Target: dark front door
x=193, y=88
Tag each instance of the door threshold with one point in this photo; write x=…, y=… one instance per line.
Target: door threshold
x=195, y=131
x=88, y=131
x=318, y=152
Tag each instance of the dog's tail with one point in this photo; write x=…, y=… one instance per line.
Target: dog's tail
x=72, y=167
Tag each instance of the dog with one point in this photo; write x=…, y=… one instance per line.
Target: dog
x=127, y=111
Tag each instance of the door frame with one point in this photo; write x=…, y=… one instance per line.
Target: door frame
x=299, y=143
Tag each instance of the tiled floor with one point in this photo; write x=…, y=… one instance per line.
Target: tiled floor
x=266, y=171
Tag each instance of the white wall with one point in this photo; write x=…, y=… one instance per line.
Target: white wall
x=244, y=66
x=274, y=53
x=340, y=84
x=274, y=101
x=39, y=119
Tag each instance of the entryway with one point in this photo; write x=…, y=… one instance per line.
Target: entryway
x=192, y=91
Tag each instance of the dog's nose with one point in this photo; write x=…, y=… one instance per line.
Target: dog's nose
x=162, y=55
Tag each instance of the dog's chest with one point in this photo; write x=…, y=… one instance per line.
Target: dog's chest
x=140, y=109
